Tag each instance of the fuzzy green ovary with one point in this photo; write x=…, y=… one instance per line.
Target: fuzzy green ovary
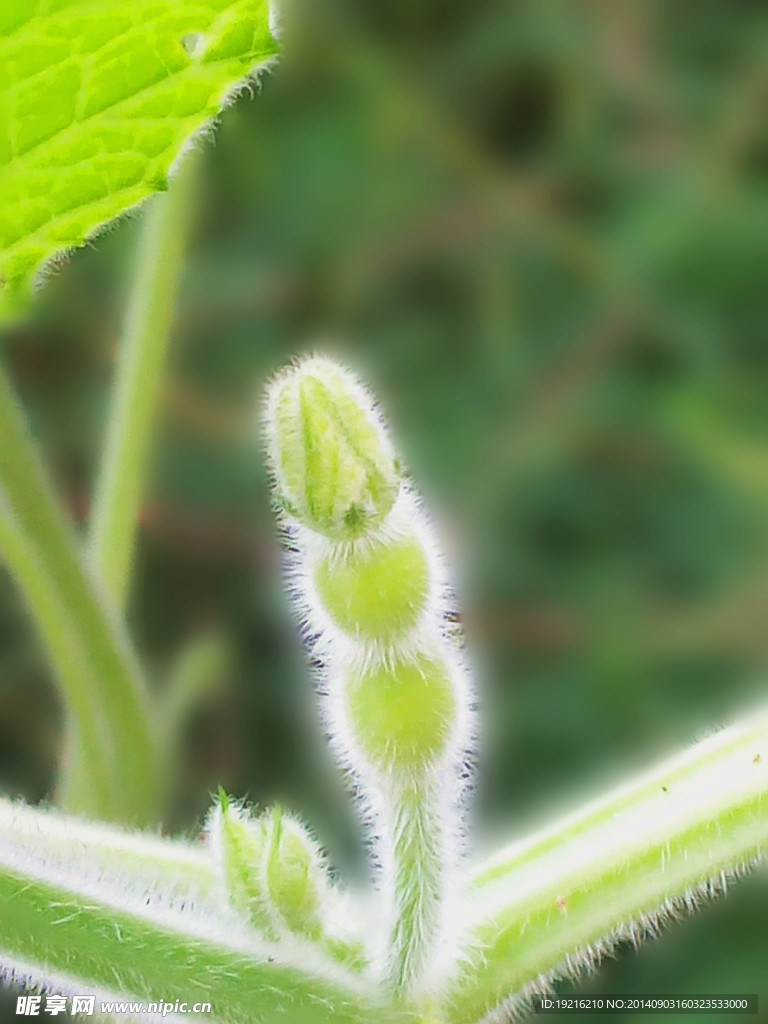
x=378, y=593
x=402, y=716
x=337, y=474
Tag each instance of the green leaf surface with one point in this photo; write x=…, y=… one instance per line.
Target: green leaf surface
x=550, y=906
x=132, y=861
x=97, y=99
x=90, y=908
x=50, y=932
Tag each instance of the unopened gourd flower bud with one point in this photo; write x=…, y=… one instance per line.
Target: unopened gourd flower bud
x=334, y=465
x=399, y=702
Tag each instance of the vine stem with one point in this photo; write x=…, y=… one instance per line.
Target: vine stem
x=88, y=776
x=552, y=905
x=96, y=667
x=137, y=382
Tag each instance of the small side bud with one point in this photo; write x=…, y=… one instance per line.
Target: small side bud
x=294, y=875
x=239, y=841
x=272, y=868
x=335, y=468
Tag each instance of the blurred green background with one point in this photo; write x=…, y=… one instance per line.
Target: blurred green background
x=540, y=230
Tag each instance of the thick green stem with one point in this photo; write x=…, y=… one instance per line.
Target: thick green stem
x=137, y=383
x=418, y=882
x=91, y=908
x=550, y=905
x=101, y=681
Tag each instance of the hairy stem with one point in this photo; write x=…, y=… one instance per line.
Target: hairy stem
x=418, y=883
x=39, y=542
x=551, y=905
x=90, y=908
x=137, y=383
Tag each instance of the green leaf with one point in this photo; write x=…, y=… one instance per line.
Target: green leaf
x=90, y=909
x=133, y=861
x=552, y=905
x=98, y=98
x=72, y=942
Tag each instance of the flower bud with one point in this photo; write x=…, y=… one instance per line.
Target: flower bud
x=240, y=840
x=398, y=699
x=335, y=468
x=294, y=875
x=272, y=869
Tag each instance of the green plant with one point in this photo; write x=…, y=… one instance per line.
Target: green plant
x=253, y=923
x=86, y=905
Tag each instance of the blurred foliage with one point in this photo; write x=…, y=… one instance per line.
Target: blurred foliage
x=540, y=230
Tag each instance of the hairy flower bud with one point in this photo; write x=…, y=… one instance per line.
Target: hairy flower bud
x=240, y=841
x=334, y=465
x=272, y=869
x=293, y=874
